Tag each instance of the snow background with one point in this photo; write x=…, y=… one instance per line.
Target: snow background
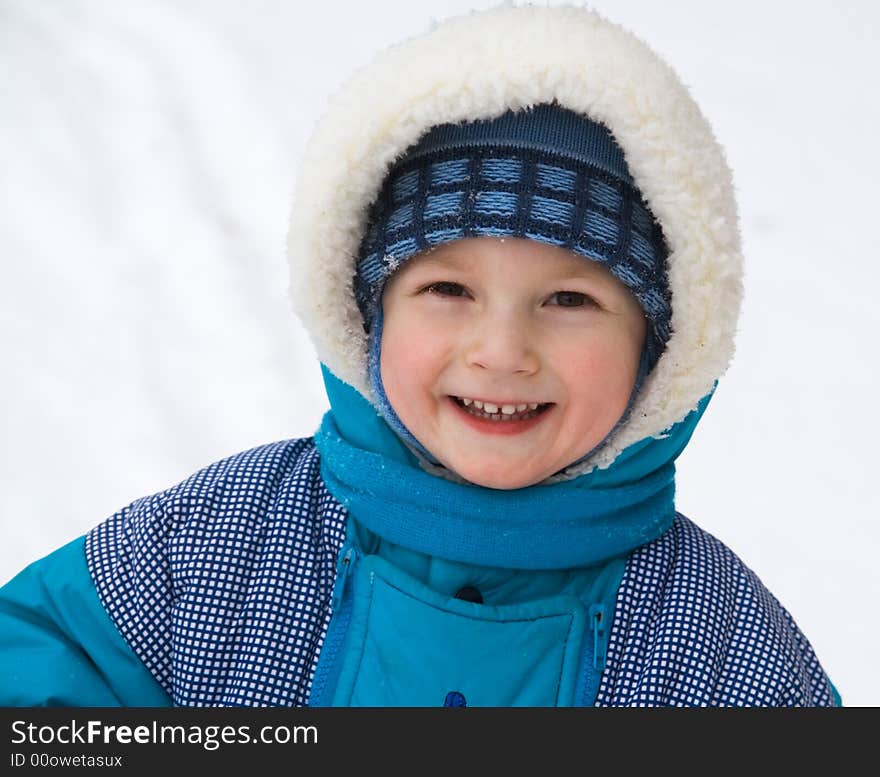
x=148, y=150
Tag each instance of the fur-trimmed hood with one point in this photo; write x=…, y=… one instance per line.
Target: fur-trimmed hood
x=477, y=66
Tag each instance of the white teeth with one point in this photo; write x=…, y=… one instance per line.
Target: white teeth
x=502, y=410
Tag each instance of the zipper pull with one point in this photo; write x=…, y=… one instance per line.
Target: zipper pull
x=597, y=626
x=347, y=557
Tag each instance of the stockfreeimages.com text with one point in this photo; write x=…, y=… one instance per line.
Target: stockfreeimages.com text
x=210, y=737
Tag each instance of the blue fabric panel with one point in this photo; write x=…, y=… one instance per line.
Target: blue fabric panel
x=497, y=585
x=409, y=646
x=58, y=646
x=595, y=586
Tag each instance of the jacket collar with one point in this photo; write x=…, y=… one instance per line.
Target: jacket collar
x=572, y=523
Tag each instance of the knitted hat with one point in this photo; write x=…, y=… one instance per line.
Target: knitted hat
x=547, y=174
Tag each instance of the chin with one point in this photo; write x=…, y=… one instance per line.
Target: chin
x=503, y=481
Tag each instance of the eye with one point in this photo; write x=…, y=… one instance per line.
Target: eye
x=446, y=289
x=572, y=299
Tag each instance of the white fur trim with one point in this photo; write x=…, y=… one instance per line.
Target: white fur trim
x=476, y=66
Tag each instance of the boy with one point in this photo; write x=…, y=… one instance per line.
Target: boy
x=515, y=247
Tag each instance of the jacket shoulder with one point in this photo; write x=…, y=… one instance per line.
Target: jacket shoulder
x=202, y=557
x=695, y=626
x=234, y=487
x=256, y=470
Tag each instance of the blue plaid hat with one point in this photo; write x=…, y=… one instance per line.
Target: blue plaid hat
x=547, y=174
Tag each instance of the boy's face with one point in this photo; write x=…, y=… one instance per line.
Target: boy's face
x=508, y=322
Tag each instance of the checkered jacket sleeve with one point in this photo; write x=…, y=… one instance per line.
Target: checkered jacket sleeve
x=694, y=626
x=221, y=584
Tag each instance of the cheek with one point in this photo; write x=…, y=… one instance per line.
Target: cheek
x=604, y=369
x=409, y=358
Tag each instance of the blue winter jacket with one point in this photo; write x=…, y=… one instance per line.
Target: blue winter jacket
x=218, y=591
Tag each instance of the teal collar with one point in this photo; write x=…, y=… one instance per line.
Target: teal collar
x=573, y=523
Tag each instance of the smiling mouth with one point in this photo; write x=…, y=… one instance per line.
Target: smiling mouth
x=493, y=412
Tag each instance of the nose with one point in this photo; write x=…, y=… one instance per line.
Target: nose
x=502, y=343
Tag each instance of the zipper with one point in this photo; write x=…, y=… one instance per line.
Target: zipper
x=597, y=627
x=327, y=671
x=593, y=656
x=347, y=557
